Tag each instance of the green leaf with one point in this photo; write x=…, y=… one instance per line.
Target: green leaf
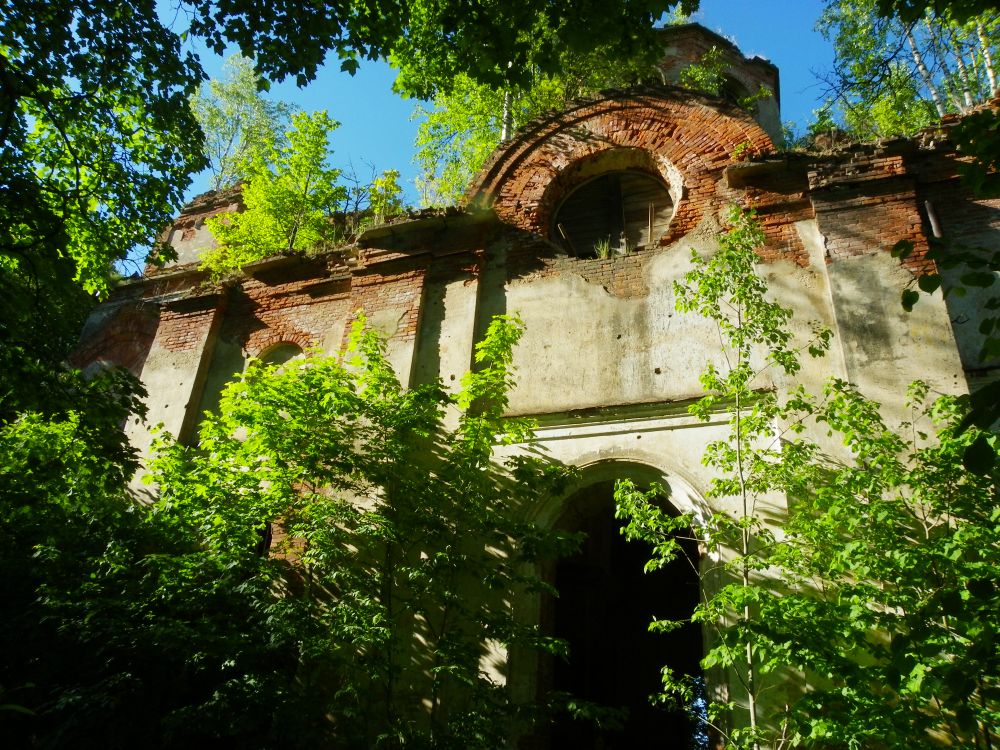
x=929, y=283
x=902, y=249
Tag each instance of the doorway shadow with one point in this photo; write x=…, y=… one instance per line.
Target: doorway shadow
x=605, y=605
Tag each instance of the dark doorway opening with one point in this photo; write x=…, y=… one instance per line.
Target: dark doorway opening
x=606, y=602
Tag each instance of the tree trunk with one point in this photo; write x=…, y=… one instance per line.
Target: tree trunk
x=507, y=125
x=942, y=57
x=984, y=44
x=925, y=75
x=963, y=73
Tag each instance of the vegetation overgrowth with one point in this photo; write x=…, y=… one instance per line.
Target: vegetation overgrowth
x=168, y=625
x=849, y=576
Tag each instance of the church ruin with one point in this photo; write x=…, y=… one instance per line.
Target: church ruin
x=580, y=224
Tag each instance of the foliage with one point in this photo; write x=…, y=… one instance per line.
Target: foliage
x=398, y=549
x=878, y=599
x=913, y=10
x=707, y=74
x=457, y=135
x=405, y=540
x=98, y=144
x=455, y=138
x=241, y=127
x=895, y=76
x=431, y=42
x=385, y=196
x=290, y=195
x=96, y=140
x=523, y=44
x=897, y=110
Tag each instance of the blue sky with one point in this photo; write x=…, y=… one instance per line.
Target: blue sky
x=376, y=125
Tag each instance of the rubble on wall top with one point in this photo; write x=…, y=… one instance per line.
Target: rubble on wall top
x=717, y=39
x=213, y=199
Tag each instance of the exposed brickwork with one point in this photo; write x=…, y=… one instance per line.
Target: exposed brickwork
x=964, y=219
x=866, y=199
x=778, y=192
x=870, y=219
x=465, y=266
x=184, y=323
x=620, y=275
x=299, y=303
x=262, y=340
x=783, y=241
x=399, y=287
x=525, y=180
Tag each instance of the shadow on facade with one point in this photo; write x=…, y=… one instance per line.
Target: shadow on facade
x=603, y=611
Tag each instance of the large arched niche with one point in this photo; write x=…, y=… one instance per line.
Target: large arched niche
x=642, y=469
x=683, y=139
x=603, y=610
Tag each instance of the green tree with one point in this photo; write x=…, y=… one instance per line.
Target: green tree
x=874, y=606
x=98, y=144
x=409, y=541
x=240, y=125
x=894, y=76
x=384, y=196
x=371, y=620
x=466, y=122
x=291, y=194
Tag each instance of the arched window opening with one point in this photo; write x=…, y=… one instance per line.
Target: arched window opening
x=613, y=214
x=734, y=92
x=605, y=604
x=280, y=353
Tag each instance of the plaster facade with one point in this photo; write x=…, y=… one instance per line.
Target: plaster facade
x=607, y=365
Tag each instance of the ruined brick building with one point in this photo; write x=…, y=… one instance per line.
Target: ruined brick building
x=579, y=224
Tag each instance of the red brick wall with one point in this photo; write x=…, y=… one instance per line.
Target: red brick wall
x=184, y=323
x=297, y=303
x=532, y=257
x=866, y=201
x=525, y=181
x=398, y=286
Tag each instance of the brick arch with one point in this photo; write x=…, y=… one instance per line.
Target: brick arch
x=682, y=136
x=267, y=338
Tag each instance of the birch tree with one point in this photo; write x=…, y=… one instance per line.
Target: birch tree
x=239, y=123
x=894, y=75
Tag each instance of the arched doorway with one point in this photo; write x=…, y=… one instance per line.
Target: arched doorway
x=606, y=602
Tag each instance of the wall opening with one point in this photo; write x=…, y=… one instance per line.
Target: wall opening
x=280, y=353
x=613, y=214
x=604, y=608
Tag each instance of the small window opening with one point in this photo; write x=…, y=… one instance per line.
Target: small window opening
x=281, y=353
x=613, y=214
x=735, y=93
